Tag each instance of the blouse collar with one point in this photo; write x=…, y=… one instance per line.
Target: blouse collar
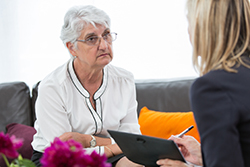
x=79, y=86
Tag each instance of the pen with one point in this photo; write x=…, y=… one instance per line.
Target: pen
x=185, y=131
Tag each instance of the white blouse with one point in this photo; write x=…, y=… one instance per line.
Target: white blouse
x=63, y=105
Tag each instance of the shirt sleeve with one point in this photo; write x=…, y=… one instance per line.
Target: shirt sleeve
x=216, y=117
x=51, y=113
x=97, y=149
x=130, y=122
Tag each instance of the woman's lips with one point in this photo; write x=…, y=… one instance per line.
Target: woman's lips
x=104, y=54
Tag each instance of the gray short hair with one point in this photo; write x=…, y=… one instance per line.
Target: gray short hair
x=78, y=17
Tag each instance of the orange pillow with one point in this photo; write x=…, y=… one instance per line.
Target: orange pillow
x=165, y=124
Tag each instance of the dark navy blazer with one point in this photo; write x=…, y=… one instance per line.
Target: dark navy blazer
x=220, y=101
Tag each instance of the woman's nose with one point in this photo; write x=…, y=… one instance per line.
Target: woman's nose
x=103, y=44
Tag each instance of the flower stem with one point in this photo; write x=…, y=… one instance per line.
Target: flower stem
x=5, y=159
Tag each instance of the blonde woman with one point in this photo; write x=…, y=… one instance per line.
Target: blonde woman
x=220, y=35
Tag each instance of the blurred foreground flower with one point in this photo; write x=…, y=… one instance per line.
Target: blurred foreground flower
x=63, y=154
x=71, y=154
x=9, y=145
x=8, y=148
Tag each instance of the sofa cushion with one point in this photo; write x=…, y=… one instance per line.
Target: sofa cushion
x=165, y=124
x=24, y=132
x=164, y=94
x=15, y=104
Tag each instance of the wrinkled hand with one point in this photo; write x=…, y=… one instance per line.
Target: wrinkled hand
x=169, y=162
x=82, y=138
x=190, y=148
x=125, y=162
x=115, y=149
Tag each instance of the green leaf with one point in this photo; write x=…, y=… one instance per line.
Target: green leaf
x=20, y=162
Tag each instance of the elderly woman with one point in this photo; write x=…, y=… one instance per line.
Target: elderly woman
x=83, y=98
x=220, y=34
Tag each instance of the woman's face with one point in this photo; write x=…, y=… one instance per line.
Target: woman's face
x=96, y=56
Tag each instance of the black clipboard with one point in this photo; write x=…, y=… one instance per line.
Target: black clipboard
x=146, y=150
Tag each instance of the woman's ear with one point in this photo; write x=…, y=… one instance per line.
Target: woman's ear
x=71, y=48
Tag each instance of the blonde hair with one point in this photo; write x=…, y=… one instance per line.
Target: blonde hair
x=220, y=33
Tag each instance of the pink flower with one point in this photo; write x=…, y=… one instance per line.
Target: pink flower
x=71, y=154
x=9, y=145
x=98, y=160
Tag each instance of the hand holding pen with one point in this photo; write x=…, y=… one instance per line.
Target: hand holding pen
x=185, y=131
x=189, y=146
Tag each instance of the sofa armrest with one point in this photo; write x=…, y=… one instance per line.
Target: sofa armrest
x=15, y=104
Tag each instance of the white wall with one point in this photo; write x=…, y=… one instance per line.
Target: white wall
x=152, y=37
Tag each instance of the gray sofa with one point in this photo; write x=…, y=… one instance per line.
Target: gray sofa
x=166, y=95
x=17, y=102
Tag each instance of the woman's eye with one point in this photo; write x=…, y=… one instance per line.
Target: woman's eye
x=105, y=36
x=92, y=38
